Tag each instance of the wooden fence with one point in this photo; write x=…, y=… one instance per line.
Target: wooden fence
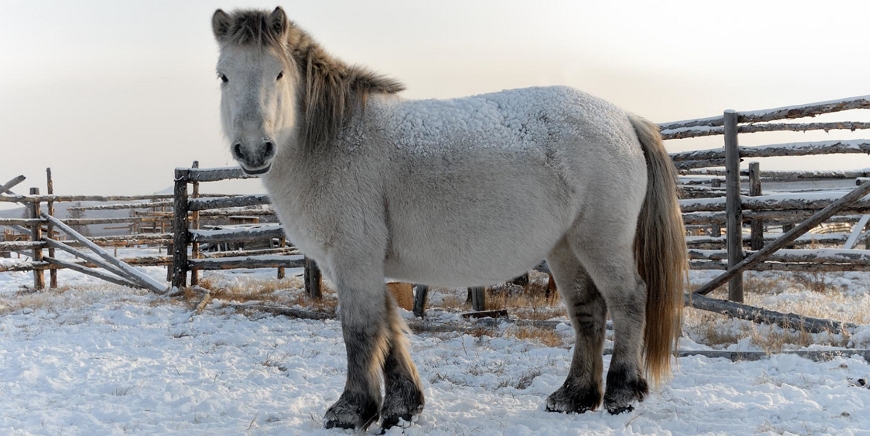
x=189, y=208
x=717, y=207
x=37, y=237
x=793, y=214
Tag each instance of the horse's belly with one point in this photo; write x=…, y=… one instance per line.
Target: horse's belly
x=481, y=245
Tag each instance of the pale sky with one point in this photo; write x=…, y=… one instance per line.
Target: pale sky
x=113, y=95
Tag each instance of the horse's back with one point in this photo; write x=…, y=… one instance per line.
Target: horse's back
x=483, y=187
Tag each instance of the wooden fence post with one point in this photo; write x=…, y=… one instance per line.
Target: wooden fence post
x=478, y=298
x=281, y=271
x=180, y=233
x=757, y=224
x=52, y=273
x=194, y=246
x=421, y=292
x=312, y=277
x=733, y=205
x=36, y=236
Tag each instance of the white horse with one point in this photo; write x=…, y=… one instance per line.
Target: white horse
x=462, y=192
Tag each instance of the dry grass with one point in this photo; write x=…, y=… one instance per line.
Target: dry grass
x=55, y=300
x=545, y=336
x=808, y=294
x=814, y=281
x=288, y=292
x=720, y=331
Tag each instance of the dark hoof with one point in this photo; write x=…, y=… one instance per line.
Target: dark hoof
x=402, y=401
x=623, y=390
x=351, y=412
x=574, y=399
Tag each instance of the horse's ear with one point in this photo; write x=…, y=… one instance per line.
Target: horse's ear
x=278, y=21
x=220, y=24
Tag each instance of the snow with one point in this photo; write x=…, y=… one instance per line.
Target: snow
x=103, y=359
x=516, y=118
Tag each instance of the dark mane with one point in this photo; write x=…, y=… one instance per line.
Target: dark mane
x=330, y=91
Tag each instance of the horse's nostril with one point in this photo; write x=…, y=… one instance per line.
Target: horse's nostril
x=270, y=148
x=237, y=150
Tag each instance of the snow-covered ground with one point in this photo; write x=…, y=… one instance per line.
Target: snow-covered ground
x=101, y=359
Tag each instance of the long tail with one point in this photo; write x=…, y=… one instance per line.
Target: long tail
x=660, y=252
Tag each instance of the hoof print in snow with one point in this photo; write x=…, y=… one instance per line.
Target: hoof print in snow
x=861, y=383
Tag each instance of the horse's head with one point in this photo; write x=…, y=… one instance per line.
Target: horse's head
x=258, y=89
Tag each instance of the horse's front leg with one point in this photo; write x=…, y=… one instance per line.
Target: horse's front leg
x=367, y=340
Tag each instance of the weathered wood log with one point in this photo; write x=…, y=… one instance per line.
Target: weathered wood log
x=50, y=187
x=194, y=224
x=786, y=175
x=700, y=192
x=717, y=265
x=94, y=273
x=71, y=198
x=36, y=235
x=222, y=202
x=781, y=113
x=97, y=261
x=694, y=164
x=715, y=243
x=478, y=298
x=773, y=216
x=805, y=110
x=785, y=239
x=121, y=206
x=499, y=313
x=28, y=265
x=238, y=253
x=756, y=239
x=699, y=122
x=260, y=212
x=120, y=220
x=751, y=356
x=129, y=272
x=21, y=245
x=764, y=316
x=20, y=221
x=733, y=205
x=776, y=202
x=266, y=231
x=421, y=294
x=856, y=146
x=822, y=255
x=128, y=240
x=11, y=184
x=247, y=262
x=216, y=174
x=857, y=230
x=312, y=277
x=768, y=127
x=281, y=310
x=181, y=234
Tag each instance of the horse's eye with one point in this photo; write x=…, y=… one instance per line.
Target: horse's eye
x=224, y=78
x=280, y=75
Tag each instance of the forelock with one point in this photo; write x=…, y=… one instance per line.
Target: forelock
x=250, y=27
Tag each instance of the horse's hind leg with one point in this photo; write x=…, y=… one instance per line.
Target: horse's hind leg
x=586, y=309
x=404, y=392
x=610, y=263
